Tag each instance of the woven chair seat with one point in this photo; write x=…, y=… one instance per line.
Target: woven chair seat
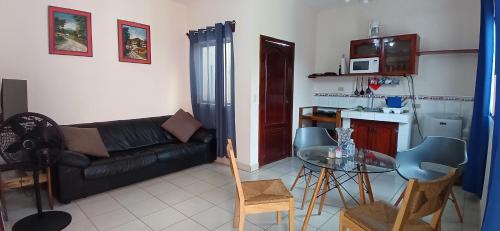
x=380, y=216
x=265, y=191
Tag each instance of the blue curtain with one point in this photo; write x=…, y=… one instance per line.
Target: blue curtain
x=479, y=136
x=212, y=81
x=491, y=216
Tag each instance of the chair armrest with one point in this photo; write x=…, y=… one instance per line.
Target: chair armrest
x=74, y=159
x=204, y=135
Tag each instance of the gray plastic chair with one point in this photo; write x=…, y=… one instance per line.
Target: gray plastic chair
x=431, y=159
x=309, y=137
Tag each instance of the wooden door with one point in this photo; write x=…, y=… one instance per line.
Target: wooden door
x=361, y=133
x=384, y=138
x=275, y=99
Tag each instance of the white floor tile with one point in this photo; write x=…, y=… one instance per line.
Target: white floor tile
x=112, y=219
x=183, y=180
x=146, y=207
x=198, y=187
x=217, y=196
x=193, y=206
x=94, y=198
x=132, y=196
x=163, y=218
x=159, y=188
x=248, y=227
x=213, y=217
x=175, y=197
x=263, y=220
x=136, y=225
x=100, y=207
x=81, y=225
x=186, y=225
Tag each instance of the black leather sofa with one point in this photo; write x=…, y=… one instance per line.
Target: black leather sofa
x=139, y=149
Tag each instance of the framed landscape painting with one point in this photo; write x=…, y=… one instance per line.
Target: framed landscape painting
x=70, y=32
x=134, y=42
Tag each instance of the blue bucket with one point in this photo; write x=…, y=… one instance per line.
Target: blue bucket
x=394, y=102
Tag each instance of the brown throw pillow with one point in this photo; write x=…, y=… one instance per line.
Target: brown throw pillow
x=84, y=140
x=182, y=125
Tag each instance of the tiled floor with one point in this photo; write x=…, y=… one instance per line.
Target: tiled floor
x=202, y=198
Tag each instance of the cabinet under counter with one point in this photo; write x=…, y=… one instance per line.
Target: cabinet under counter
x=382, y=132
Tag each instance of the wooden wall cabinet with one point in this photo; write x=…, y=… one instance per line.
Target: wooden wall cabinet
x=375, y=135
x=398, y=54
x=365, y=48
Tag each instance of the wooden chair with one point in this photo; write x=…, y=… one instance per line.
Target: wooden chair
x=421, y=199
x=259, y=196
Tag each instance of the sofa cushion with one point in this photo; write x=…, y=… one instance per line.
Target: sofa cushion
x=182, y=125
x=123, y=135
x=120, y=162
x=84, y=140
x=167, y=152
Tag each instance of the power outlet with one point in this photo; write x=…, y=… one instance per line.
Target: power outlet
x=341, y=89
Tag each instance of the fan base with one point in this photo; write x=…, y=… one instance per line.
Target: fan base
x=48, y=221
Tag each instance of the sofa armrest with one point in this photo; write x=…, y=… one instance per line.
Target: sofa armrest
x=204, y=135
x=74, y=159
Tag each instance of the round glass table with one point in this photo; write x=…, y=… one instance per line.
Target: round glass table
x=341, y=170
x=373, y=162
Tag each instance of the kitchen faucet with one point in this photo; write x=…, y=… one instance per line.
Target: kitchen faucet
x=371, y=97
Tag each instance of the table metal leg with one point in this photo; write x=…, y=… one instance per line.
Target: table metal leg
x=341, y=194
x=313, y=199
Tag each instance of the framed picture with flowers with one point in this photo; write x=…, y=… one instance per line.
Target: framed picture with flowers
x=134, y=42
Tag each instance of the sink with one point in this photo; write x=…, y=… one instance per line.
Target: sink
x=372, y=109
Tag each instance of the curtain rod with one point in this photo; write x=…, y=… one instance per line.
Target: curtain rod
x=233, y=27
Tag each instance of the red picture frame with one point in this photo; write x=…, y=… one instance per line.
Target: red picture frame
x=134, y=42
x=70, y=32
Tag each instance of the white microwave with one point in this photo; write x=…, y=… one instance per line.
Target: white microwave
x=364, y=65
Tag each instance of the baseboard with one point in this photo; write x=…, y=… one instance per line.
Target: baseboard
x=241, y=166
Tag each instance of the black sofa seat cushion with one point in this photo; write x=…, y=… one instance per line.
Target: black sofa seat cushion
x=167, y=152
x=120, y=162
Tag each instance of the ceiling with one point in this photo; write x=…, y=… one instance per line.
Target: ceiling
x=321, y=4
x=315, y=4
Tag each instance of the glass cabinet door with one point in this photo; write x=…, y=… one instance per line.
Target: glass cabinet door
x=365, y=48
x=399, y=55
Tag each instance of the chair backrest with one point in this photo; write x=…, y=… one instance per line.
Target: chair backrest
x=425, y=198
x=446, y=151
x=312, y=136
x=234, y=171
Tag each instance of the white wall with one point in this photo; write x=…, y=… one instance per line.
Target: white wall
x=288, y=20
x=73, y=89
x=441, y=24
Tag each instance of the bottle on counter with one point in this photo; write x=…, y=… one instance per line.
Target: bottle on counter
x=343, y=65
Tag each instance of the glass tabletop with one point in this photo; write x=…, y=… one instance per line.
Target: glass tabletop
x=364, y=161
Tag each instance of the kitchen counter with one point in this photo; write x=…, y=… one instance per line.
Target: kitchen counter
x=404, y=122
x=405, y=118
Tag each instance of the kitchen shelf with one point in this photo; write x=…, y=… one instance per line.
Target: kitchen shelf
x=457, y=51
x=315, y=115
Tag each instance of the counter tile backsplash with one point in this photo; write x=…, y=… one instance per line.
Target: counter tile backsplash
x=422, y=97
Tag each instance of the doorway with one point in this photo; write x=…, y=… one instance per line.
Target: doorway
x=275, y=99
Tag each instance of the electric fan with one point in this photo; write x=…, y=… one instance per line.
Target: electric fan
x=33, y=142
